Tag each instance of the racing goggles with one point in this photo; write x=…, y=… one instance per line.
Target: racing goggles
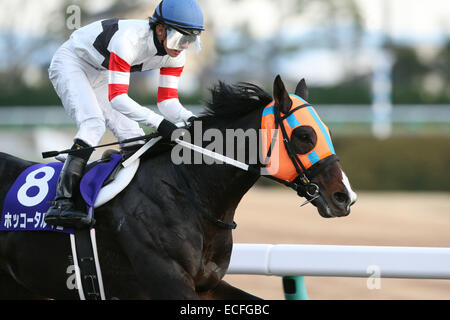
x=177, y=40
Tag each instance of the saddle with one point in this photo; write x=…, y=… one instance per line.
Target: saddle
x=30, y=195
x=34, y=189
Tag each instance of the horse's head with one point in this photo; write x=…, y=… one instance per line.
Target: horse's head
x=301, y=151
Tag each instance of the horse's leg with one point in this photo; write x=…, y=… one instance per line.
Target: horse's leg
x=161, y=279
x=160, y=276
x=225, y=291
x=10, y=289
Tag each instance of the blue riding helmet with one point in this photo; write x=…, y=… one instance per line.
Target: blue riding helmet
x=184, y=14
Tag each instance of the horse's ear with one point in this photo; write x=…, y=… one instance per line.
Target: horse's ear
x=302, y=90
x=281, y=96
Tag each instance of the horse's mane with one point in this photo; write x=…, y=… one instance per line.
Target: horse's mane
x=233, y=101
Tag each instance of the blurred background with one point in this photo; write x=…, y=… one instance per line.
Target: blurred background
x=378, y=74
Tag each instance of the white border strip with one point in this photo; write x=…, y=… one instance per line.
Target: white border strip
x=97, y=264
x=77, y=268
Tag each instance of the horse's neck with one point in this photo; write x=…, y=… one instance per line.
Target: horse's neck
x=220, y=187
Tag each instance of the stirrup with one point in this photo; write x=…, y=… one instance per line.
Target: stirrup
x=68, y=219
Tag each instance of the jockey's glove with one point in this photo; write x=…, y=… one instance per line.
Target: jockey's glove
x=191, y=120
x=166, y=128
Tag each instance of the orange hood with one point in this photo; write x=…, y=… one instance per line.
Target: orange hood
x=280, y=165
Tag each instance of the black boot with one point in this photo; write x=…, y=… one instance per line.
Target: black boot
x=62, y=212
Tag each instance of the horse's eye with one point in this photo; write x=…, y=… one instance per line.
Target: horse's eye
x=304, y=139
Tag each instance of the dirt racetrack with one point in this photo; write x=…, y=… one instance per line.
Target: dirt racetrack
x=268, y=215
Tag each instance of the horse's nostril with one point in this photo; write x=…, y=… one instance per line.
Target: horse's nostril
x=341, y=198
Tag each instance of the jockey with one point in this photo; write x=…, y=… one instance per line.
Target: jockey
x=91, y=74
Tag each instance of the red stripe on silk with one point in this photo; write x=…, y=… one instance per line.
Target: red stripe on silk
x=172, y=71
x=166, y=93
x=116, y=63
x=116, y=90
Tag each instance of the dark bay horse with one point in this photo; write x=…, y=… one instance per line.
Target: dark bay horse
x=167, y=235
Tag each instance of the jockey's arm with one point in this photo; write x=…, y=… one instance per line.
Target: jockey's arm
x=119, y=82
x=168, y=102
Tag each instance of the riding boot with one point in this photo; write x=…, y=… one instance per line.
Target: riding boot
x=62, y=212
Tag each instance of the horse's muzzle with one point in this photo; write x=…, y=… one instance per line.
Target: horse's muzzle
x=337, y=206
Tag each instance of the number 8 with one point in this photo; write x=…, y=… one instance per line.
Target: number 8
x=41, y=183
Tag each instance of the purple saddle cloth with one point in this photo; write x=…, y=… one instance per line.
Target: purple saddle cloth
x=29, y=197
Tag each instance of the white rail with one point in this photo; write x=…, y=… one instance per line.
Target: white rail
x=340, y=261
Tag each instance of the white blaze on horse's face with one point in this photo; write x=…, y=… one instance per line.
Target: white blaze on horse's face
x=351, y=193
x=337, y=196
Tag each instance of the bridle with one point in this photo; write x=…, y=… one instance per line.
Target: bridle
x=302, y=184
